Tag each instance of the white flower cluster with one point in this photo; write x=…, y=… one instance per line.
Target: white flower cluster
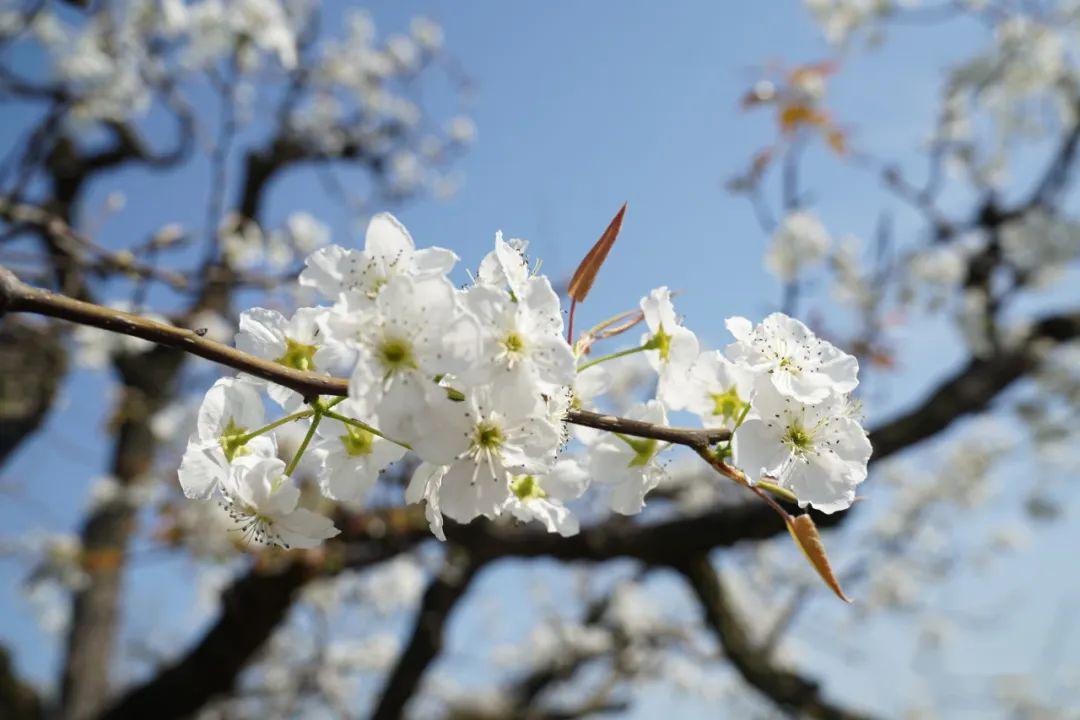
x=841, y=19
x=477, y=383
x=800, y=242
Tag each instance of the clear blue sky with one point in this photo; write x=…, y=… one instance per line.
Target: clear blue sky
x=580, y=107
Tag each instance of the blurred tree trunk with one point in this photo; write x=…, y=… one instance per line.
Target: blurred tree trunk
x=147, y=382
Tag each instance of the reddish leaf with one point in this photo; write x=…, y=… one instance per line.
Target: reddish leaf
x=806, y=536
x=584, y=276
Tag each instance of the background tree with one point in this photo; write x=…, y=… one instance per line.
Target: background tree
x=695, y=590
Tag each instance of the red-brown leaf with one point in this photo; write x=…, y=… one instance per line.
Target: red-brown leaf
x=584, y=276
x=806, y=536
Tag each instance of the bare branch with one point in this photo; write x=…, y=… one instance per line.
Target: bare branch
x=790, y=692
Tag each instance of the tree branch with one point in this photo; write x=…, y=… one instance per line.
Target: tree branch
x=252, y=608
x=16, y=296
x=793, y=694
x=424, y=646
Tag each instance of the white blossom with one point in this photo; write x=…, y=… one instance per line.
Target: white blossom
x=627, y=465
x=673, y=348
x=719, y=391
x=351, y=457
x=819, y=452
x=231, y=409
x=483, y=441
x=261, y=500
x=389, y=251
x=542, y=497
x=798, y=364
x=799, y=242
x=294, y=342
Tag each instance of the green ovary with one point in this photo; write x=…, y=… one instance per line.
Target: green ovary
x=357, y=441
x=525, y=487
x=298, y=356
x=396, y=354
x=661, y=342
x=233, y=441
x=643, y=450
x=728, y=404
x=514, y=343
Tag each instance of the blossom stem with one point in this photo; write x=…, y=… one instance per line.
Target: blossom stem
x=363, y=426
x=777, y=490
x=612, y=356
x=304, y=443
x=276, y=424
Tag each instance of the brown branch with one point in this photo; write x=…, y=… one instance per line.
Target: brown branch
x=108, y=261
x=16, y=296
x=425, y=644
x=789, y=691
x=252, y=608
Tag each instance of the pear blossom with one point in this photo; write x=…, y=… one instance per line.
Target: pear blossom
x=505, y=266
x=294, y=342
x=541, y=497
x=350, y=456
x=798, y=363
x=672, y=347
x=416, y=331
x=483, y=441
x=261, y=501
x=800, y=241
x=628, y=464
x=389, y=251
x=817, y=451
x=522, y=334
x=719, y=391
x=231, y=409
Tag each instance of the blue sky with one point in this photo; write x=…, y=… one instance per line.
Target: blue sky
x=580, y=107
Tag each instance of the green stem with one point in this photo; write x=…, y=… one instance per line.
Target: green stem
x=364, y=426
x=777, y=490
x=277, y=423
x=612, y=356
x=304, y=443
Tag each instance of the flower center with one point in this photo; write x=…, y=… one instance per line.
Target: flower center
x=728, y=404
x=525, y=487
x=798, y=438
x=233, y=441
x=396, y=354
x=297, y=355
x=487, y=436
x=514, y=343
x=357, y=441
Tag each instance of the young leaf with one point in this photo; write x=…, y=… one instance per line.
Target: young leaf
x=584, y=276
x=806, y=536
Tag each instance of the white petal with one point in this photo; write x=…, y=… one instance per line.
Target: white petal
x=758, y=450
x=387, y=237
